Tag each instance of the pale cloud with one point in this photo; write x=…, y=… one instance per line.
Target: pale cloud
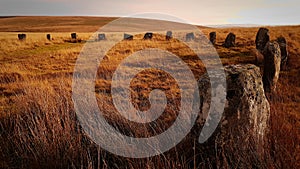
x=194, y=11
x=276, y=12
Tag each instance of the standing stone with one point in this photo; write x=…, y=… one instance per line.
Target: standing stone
x=229, y=41
x=148, y=36
x=128, y=37
x=262, y=38
x=190, y=36
x=101, y=36
x=240, y=139
x=283, y=49
x=169, y=35
x=73, y=35
x=48, y=36
x=22, y=36
x=213, y=37
x=272, y=60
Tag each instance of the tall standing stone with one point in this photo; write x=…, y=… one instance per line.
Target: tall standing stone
x=283, y=49
x=272, y=60
x=213, y=37
x=240, y=139
x=230, y=40
x=262, y=38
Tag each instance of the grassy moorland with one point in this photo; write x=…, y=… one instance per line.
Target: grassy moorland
x=38, y=126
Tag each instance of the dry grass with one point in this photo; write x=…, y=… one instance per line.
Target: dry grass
x=38, y=126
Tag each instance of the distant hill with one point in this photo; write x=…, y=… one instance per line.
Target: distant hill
x=78, y=24
x=52, y=23
x=235, y=26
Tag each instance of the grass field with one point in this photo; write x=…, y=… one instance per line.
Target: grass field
x=38, y=127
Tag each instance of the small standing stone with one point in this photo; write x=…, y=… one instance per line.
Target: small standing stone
x=213, y=37
x=283, y=49
x=190, y=36
x=128, y=37
x=22, y=36
x=272, y=60
x=73, y=35
x=230, y=40
x=101, y=36
x=169, y=35
x=262, y=38
x=148, y=36
x=48, y=36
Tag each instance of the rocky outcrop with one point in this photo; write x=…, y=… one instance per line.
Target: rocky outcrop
x=240, y=138
x=230, y=40
x=272, y=61
x=262, y=38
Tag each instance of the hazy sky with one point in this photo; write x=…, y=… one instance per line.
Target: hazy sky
x=202, y=12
